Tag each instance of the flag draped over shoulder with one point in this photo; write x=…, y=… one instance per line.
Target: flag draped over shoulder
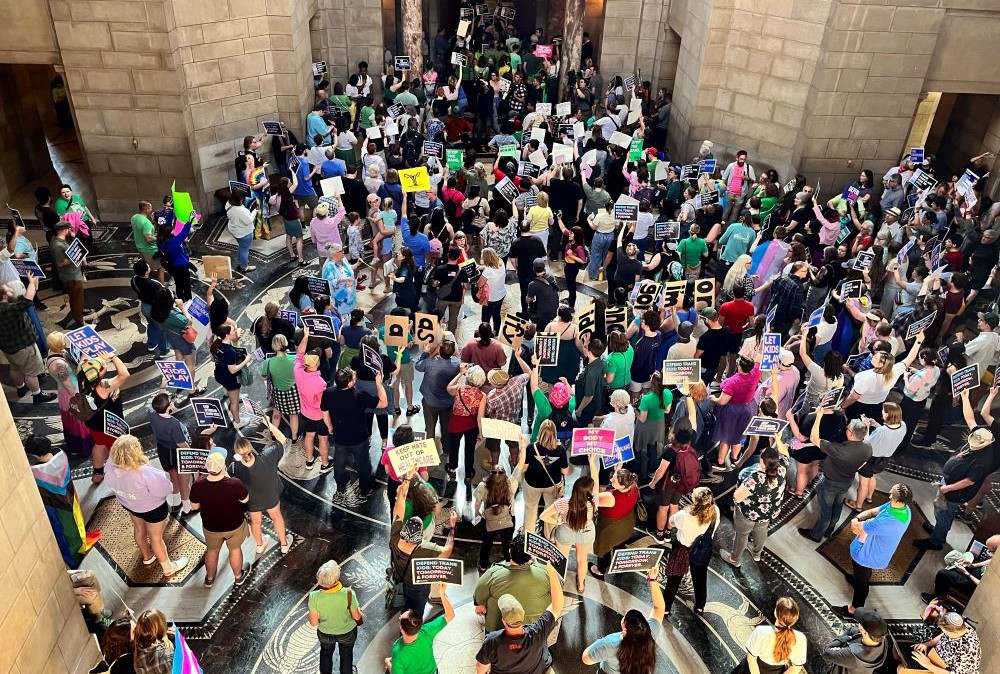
x=185, y=661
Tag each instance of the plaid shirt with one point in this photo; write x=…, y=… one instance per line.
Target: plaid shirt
x=505, y=403
x=787, y=294
x=156, y=659
x=16, y=329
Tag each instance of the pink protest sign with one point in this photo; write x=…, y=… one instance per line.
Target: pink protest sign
x=593, y=441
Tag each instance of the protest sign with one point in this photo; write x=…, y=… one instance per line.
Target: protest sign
x=852, y=289
x=319, y=68
x=538, y=159
x=319, y=326
x=831, y=398
x=543, y=109
x=706, y=166
x=198, y=309
x=623, y=453
x=481, y=10
x=272, y=128
x=647, y=295
x=922, y=180
x=564, y=109
x=88, y=342
x=415, y=179
x=918, y=326
x=681, y=370
x=673, y=293
x=851, y=193
x=191, y=460
x=624, y=560
x=917, y=155
x=432, y=148
x=27, y=268
x=616, y=318
x=766, y=427
x=507, y=189
x=635, y=148
x=586, y=319
x=844, y=233
x=854, y=362
x=419, y=454
x=217, y=266
x=425, y=329
x=177, y=374
x=901, y=256
x=704, y=291
x=331, y=186
x=208, y=411
x=545, y=551
x=465, y=12
x=401, y=62
x=76, y=252
x=815, y=317
x=396, y=329
x=626, y=212
x=634, y=112
x=371, y=358
x=689, y=172
x=526, y=169
x=15, y=215
x=114, y=425
x=771, y=351
x=454, y=159
x=235, y=186
x=458, y=59
x=430, y=570
x=501, y=430
x=543, y=51
x=395, y=112
x=965, y=379
x=318, y=285
x=863, y=261
x=289, y=315
x=770, y=317
x=250, y=406
x=562, y=154
x=707, y=199
x=547, y=348
x=593, y=441
x=669, y=230
x=509, y=150
x=966, y=183
x=620, y=139
x=512, y=326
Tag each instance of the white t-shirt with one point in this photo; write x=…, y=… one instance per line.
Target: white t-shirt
x=761, y=645
x=688, y=528
x=825, y=332
x=872, y=388
x=682, y=350
x=622, y=424
x=497, y=280
x=642, y=225
x=240, y=221
x=885, y=440
x=819, y=383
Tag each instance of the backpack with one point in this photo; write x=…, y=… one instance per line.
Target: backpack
x=564, y=422
x=686, y=472
x=700, y=552
x=81, y=408
x=444, y=290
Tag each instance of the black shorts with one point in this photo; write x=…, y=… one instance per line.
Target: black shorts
x=874, y=466
x=667, y=496
x=154, y=516
x=313, y=426
x=735, y=342
x=167, y=457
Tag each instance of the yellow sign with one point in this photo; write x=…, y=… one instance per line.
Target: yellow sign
x=419, y=454
x=415, y=179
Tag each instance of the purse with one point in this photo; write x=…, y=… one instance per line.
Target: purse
x=360, y=621
x=189, y=334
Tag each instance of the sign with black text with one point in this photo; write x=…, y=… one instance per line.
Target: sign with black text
x=425, y=329
x=965, y=379
x=615, y=318
x=512, y=326
x=647, y=295
x=766, y=427
x=432, y=148
x=831, y=398
x=922, y=180
x=76, y=252
x=547, y=348
x=507, y=189
x=625, y=560
x=673, y=293
x=430, y=570
x=191, y=460
x=668, y=230
x=318, y=286
x=704, y=291
x=401, y=62
x=372, y=358
x=586, y=319
x=626, y=212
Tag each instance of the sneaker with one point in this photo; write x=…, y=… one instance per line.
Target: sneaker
x=310, y=463
x=727, y=557
x=243, y=577
x=250, y=267
x=22, y=391
x=660, y=536
x=176, y=565
x=303, y=263
x=288, y=544
x=807, y=533
x=39, y=398
x=926, y=597
x=209, y=581
x=716, y=468
x=325, y=469
x=152, y=348
x=267, y=541
x=412, y=410
x=148, y=562
x=754, y=557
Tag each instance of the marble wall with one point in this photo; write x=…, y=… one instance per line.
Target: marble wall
x=636, y=35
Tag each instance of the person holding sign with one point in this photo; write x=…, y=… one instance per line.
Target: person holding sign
x=258, y=471
x=573, y=518
x=493, y=504
x=142, y=490
x=98, y=395
x=615, y=524
x=872, y=387
x=70, y=274
x=734, y=406
x=170, y=433
x=228, y=367
x=19, y=341
x=635, y=645
x=413, y=651
x=468, y=409
x=221, y=500
x=369, y=362
x=76, y=435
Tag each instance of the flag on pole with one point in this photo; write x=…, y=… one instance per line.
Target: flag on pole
x=185, y=661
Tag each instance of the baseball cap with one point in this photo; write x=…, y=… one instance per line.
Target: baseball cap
x=511, y=611
x=787, y=358
x=871, y=621
x=215, y=463
x=709, y=313
x=992, y=319
x=435, y=248
x=412, y=531
x=685, y=329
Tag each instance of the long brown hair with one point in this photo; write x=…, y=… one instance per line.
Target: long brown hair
x=637, y=650
x=117, y=640
x=150, y=627
x=702, y=505
x=578, y=511
x=270, y=313
x=497, y=488
x=786, y=614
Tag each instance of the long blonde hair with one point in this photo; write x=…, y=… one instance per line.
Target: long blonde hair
x=885, y=369
x=735, y=274
x=702, y=505
x=786, y=614
x=547, y=435
x=490, y=258
x=126, y=452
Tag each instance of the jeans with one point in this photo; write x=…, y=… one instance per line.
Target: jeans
x=860, y=581
x=744, y=528
x=416, y=597
x=154, y=333
x=491, y=314
x=599, y=247
x=432, y=416
x=454, y=440
x=944, y=515
x=328, y=644
x=362, y=464
x=243, y=251
x=830, y=495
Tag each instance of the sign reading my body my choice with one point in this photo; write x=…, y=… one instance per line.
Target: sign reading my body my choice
x=594, y=441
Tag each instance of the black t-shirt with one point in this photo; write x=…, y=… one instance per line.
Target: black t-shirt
x=347, y=413
x=240, y=163
x=450, y=273
x=714, y=344
x=524, y=654
x=145, y=288
x=973, y=465
x=365, y=373
x=627, y=269
x=221, y=503
x=565, y=196
x=546, y=300
x=48, y=217
x=526, y=249
x=218, y=312
x=279, y=326
x=543, y=467
x=355, y=195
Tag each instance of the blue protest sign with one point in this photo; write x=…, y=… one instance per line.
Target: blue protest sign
x=851, y=193
x=290, y=316
x=198, y=309
x=917, y=155
x=815, y=317
x=208, y=411
x=114, y=425
x=901, y=256
x=771, y=314
x=26, y=267
x=88, y=342
x=76, y=252
x=176, y=373
x=771, y=352
x=706, y=166
x=623, y=453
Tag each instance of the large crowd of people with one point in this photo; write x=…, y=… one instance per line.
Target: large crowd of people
x=840, y=318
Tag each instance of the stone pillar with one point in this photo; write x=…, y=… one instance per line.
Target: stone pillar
x=413, y=33
x=982, y=609
x=575, y=11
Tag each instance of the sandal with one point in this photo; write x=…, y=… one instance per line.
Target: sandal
x=853, y=505
x=412, y=410
x=793, y=494
x=581, y=589
x=98, y=476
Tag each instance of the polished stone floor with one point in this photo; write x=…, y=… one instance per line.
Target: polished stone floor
x=261, y=627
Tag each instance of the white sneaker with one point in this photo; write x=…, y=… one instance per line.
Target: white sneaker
x=267, y=541
x=288, y=544
x=175, y=566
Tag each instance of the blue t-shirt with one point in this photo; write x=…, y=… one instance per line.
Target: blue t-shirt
x=333, y=168
x=885, y=531
x=305, y=186
x=604, y=651
x=315, y=126
x=418, y=243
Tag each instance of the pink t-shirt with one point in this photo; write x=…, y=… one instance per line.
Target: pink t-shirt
x=736, y=180
x=741, y=387
x=311, y=387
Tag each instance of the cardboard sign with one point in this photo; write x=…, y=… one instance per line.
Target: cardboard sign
x=616, y=318
x=454, y=159
x=707, y=166
x=425, y=329
x=771, y=351
x=647, y=295
x=543, y=51
x=371, y=358
x=332, y=186
x=669, y=230
x=507, y=189
x=673, y=293
x=401, y=63
x=430, y=570
x=626, y=560
x=852, y=289
x=391, y=128
x=191, y=460
x=76, y=252
x=564, y=109
x=593, y=441
x=922, y=180
x=208, y=411
x=704, y=291
x=831, y=398
x=864, y=260
x=501, y=430
x=219, y=266
x=538, y=159
x=86, y=341
x=318, y=285
x=509, y=150
x=547, y=348
x=114, y=425
x=319, y=326
x=918, y=326
x=458, y=59
x=415, y=179
x=623, y=453
x=177, y=374
x=319, y=68
x=418, y=454
x=765, y=427
x=289, y=315
x=27, y=268
x=545, y=551
x=917, y=155
x=626, y=212
x=816, y=317
x=396, y=329
x=586, y=319
x=965, y=379
x=562, y=154
x=684, y=370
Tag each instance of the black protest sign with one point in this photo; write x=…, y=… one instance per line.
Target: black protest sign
x=512, y=326
x=16, y=216
x=318, y=286
x=627, y=212
x=319, y=68
x=667, y=230
x=625, y=560
x=615, y=318
x=320, y=326
x=766, y=427
x=425, y=329
x=192, y=460
x=208, y=411
x=236, y=186
x=863, y=262
x=918, y=326
x=545, y=551
x=272, y=128
x=831, y=398
x=429, y=570
x=965, y=379
x=372, y=358
x=114, y=425
x=547, y=348
x=922, y=180
x=432, y=149
x=684, y=370
x=472, y=273
x=852, y=289
x=586, y=319
x=647, y=295
x=507, y=189
x=709, y=198
x=527, y=169
x=689, y=172
x=401, y=63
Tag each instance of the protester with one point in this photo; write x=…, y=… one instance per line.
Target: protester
x=258, y=471
x=221, y=499
x=335, y=612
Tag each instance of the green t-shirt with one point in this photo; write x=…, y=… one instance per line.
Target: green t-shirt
x=417, y=657
x=691, y=251
x=367, y=117
x=620, y=365
x=67, y=272
x=390, y=351
x=543, y=409
x=651, y=405
x=529, y=583
x=515, y=61
x=75, y=204
x=334, y=618
x=281, y=371
x=141, y=228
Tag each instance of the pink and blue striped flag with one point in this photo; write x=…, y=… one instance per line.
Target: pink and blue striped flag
x=185, y=661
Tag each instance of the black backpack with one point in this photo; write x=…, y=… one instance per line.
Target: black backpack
x=564, y=422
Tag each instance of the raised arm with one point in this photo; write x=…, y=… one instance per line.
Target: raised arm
x=914, y=350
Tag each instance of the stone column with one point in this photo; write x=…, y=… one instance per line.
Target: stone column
x=572, y=38
x=413, y=33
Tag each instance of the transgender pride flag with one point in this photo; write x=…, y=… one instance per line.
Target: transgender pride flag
x=184, y=660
